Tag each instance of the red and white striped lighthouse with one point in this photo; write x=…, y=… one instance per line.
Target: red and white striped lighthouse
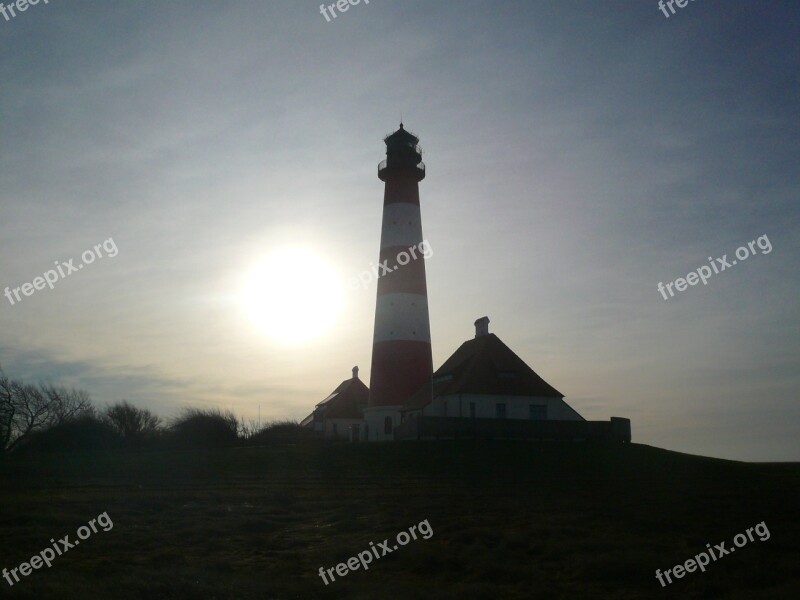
x=402, y=361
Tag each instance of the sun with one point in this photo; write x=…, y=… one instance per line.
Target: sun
x=293, y=295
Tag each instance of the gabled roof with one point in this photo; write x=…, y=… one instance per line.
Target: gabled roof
x=484, y=365
x=346, y=401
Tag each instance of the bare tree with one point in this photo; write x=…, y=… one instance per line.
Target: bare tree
x=7, y=411
x=27, y=408
x=67, y=404
x=131, y=422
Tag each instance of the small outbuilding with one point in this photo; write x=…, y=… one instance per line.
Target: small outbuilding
x=341, y=414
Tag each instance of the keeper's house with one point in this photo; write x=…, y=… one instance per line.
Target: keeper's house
x=484, y=390
x=341, y=414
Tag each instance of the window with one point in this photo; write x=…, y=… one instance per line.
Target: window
x=500, y=411
x=356, y=433
x=387, y=425
x=471, y=410
x=538, y=412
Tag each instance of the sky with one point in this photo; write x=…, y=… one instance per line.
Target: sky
x=578, y=154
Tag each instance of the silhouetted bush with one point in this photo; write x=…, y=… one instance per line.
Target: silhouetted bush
x=135, y=425
x=206, y=428
x=82, y=433
x=283, y=432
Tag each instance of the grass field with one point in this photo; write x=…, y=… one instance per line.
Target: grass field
x=510, y=521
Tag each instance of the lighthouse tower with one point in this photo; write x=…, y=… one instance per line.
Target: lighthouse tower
x=402, y=361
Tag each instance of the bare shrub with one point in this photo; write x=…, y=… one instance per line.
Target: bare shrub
x=132, y=423
x=84, y=433
x=205, y=427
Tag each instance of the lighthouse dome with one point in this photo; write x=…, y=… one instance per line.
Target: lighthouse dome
x=401, y=136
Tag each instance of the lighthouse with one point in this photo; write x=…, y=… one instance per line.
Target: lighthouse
x=402, y=361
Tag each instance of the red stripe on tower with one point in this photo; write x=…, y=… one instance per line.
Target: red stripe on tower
x=402, y=361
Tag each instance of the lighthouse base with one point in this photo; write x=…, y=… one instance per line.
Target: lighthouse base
x=380, y=423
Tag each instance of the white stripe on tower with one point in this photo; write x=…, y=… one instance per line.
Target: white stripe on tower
x=404, y=316
x=402, y=225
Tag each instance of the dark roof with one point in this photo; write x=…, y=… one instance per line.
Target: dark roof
x=347, y=401
x=401, y=136
x=484, y=365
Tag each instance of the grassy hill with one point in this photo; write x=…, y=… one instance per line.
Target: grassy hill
x=510, y=521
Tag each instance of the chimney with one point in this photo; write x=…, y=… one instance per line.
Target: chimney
x=355, y=372
x=482, y=327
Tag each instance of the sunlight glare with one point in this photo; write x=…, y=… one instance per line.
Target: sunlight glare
x=293, y=296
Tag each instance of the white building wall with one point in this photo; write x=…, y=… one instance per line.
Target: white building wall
x=374, y=421
x=517, y=407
